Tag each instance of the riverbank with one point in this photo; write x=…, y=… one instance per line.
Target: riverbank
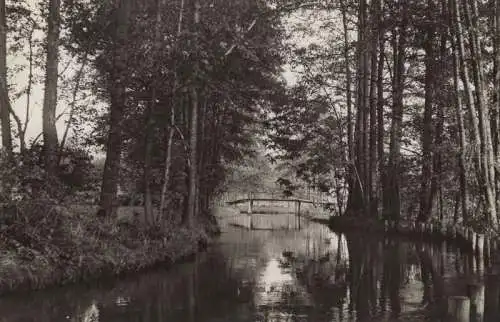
x=45, y=245
x=464, y=237
x=374, y=226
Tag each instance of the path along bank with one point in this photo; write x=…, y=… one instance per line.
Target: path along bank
x=44, y=245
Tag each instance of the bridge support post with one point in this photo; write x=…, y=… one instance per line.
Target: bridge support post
x=250, y=210
x=297, y=214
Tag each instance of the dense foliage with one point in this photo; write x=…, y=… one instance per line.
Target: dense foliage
x=395, y=105
x=170, y=91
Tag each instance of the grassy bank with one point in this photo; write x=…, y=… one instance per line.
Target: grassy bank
x=403, y=230
x=43, y=245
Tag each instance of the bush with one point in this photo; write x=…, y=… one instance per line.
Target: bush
x=24, y=178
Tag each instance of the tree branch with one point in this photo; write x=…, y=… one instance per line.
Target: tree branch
x=73, y=102
x=40, y=134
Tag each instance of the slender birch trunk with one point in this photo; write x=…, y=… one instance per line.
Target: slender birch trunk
x=171, y=130
x=193, y=141
x=365, y=92
x=148, y=150
x=457, y=31
x=487, y=157
x=380, y=109
x=372, y=169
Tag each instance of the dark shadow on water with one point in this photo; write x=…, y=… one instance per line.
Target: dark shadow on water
x=310, y=274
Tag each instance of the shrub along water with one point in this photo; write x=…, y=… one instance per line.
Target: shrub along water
x=43, y=245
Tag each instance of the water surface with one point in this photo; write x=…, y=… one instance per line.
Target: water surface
x=311, y=274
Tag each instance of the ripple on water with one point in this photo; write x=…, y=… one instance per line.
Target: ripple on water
x=311, y=274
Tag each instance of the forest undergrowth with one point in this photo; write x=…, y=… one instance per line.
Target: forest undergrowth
x=43, y=245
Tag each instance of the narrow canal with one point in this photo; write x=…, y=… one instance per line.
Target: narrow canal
x=311, y=274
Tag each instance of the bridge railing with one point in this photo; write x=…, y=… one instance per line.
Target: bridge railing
x=232, y=196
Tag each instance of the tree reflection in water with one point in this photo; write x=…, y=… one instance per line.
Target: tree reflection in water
x=388, y=279
x=307, y=275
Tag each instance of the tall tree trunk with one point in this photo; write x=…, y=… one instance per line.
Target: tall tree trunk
x=111, y=172
x=50, y=142
x=392, y=198
x=193, y=159
x=171, y=128
x=193, y=142
x=372, y=168
x=150, y=115
x=348, y=76
x=168, y=160
x=148, y=150
x=427, y=148
x=458, y=33
x=380, y=110
x=365, y=96
x=357, y=202
x=486, y=145
x=4, y=102
x=441, y=80
x=351, y=172
x=202, y=114
x=496, y=108
x=117, y=109
x=461, y=133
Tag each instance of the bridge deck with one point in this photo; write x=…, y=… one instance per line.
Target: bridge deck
x=242, y=200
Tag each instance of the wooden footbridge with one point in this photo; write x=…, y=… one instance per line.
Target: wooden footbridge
x=267, y=210
x=251, y=198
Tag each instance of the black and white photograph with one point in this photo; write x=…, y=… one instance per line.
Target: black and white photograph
x=249, y=160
